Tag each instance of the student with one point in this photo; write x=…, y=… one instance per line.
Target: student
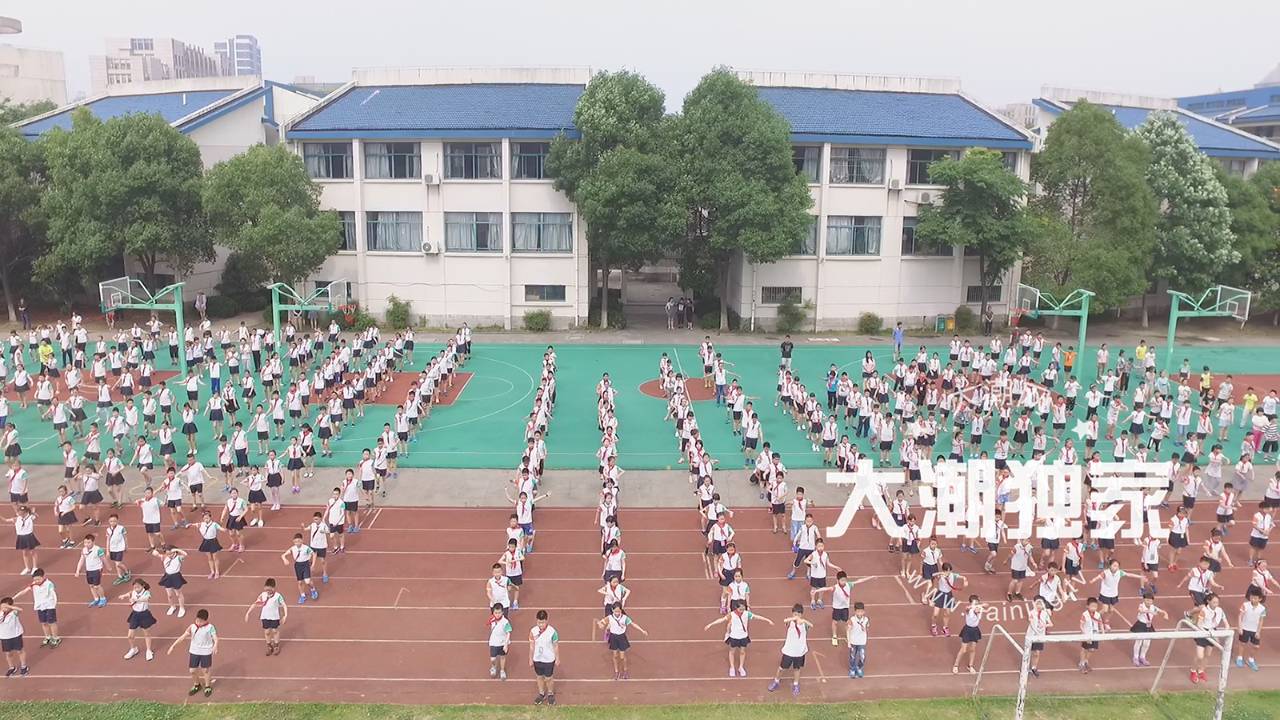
x=804, y=540
x=1263, y=523
x=140, y=617
x=499, y=641
x=945, y=584
x=24, y=524
x=301, y=556
x=1091, y=624
x=318, y=532
x=335, y=513
x=11, y=639
x=273, y=611
x=970, y=634
x=497, y=588
x=203, y=638
x=172, y=580
x=544, y=652
x=616, y=625
x=1209, y=616
x=1179, y=528
x=233, y=518
x=1144, y=622
x=512, y=561
x=794, y=649
x=91, y=563
x=45, y=602
x=1109, y=591
x=117, y=543
x=819, y=563
x=150, y=506
x=1039, y=620
x=1252, y=613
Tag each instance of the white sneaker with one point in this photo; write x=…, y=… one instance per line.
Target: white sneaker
x=182, y=612
x=171, y=610
x=25, y=571
x=150, y=656
x=132, y=652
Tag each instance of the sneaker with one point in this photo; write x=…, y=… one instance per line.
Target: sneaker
x=853, y=674
x=790, y=576
x=208, y=691
x=820, y=605
x=493, y=671
x=773, y=685
x=315, y=594
x=302, y=599
x=1239, y=662
x=551, y=698
x=795, y=689
x=502, y=675
x=131, y=654
x=150, y=656
x=1145, y=662
x=1035, y=672
x=25, y=571
x=47, y=641
x=182, y=611
x=1253, y=664
x=171, y=610
x=1204, y=677
x=733, y=672
x=742, y=672
x=324, y=579
x=946, y=632
x=1195, y=677
x=11, y=672
x=835, y=642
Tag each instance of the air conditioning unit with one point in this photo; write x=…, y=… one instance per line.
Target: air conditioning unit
x=429, y=179
x=926, y=198
x=895, y=184
x=430, y=248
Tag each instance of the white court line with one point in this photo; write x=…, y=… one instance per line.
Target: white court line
x=911, y=600
x=504, y=408
x=377, y=514
x=34, y=677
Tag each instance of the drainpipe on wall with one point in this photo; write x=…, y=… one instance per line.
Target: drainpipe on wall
x=753, y=297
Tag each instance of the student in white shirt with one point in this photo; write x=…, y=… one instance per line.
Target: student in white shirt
x=1209, y=616
x=1252, y=613
x=795, y=647
x=45, y=602
x=499, y=641
x=273, y=611
x=11, y=638
x=615, y=625
x=544, y=652
x=203, y=639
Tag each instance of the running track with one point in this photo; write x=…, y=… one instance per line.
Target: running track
x=403, y=618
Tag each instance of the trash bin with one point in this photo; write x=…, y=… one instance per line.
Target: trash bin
x=951, y=323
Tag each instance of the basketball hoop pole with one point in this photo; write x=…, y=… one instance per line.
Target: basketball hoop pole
x=1074, y=305
x=153, y=303
x=1201, y=307
x=285, y=299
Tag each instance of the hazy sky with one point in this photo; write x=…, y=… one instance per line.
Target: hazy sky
x=1001, y=50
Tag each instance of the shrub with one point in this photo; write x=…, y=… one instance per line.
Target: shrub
x=352, y=317
x=537, y=320
x=870, y=323
x=966, y=320
x=221, y=306
x=617, y=321
x=399, y=313
x=243, y=281
x=791, y=315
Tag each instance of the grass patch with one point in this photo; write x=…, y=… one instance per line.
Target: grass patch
x=1240, y=706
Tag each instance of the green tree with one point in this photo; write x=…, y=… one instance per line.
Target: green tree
x=263, y=207
x=1255, y=219
x=11, y=112
x=983, y=209
x=738, y=186
x=618, y=175
x=21, y=234
x=125, y=188
x=1193, y=231
x=1095, y=214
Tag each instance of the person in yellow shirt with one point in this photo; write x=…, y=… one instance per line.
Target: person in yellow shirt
x=1069, y=359
x=1206, y=382
x=1140, y=352
x=45, y=352
x=1249, y=401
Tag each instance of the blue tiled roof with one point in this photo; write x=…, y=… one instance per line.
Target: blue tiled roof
x=171, y=106
x=889, y=118
x=1213, y=140
x=1221, y=103
x=445, y=111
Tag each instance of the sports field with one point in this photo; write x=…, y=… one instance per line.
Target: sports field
x=484, y=425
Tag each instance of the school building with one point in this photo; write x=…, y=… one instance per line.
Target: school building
x=1255, y=110
x=439, y=177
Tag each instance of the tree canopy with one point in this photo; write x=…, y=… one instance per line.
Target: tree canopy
x=1194, y=239
x=1095, y=214
x=262, y=206
x=21, y=234
x=738, y=184
x=125, y=188
x=11, y=112
x=618, y=174
x=982, y=209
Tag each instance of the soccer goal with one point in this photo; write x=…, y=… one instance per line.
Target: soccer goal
x=1221, y=640
x=128, y=293
x=1217, y=301
x=1033, y=302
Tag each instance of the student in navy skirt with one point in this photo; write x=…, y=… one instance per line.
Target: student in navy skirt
x=24, y=524
x=172, y=580
x=140, y=617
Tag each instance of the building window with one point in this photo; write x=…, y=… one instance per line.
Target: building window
x=473, y=232
x=910, y=247
x=544, y=293
x=142, y=45
x=808, y=244
x=348, y=220
x=973, y=294
x=393, y=231
x=853, y=235
x=1010, y=160
x=529, y=160
x=857, y=165
x=473, y=161
x=1234, y=166
x=778, y=294
x=918, y=164
x=397, y=160
x=541, y=232
x=328, y=161
x=808, y=160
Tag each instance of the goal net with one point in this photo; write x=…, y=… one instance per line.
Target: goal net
x=122, y=292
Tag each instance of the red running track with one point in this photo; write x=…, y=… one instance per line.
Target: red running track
x=403, y=618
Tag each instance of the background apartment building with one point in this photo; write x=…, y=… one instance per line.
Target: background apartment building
x=239, y=55
x=140, y=59
x=30, y=74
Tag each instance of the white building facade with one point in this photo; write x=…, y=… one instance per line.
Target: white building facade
x=239, y=55
x=864, y=144
x=439, y=178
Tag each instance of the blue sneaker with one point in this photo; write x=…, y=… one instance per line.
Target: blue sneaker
x=1239, y=662
x=1253, y=664
x=93, y=603
x=862, y=673
x=791, y=575
x=324, y=579
x=853, y=674
x=102, y=602
x=315, y=594
x=302, y=599
x=773, y=685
